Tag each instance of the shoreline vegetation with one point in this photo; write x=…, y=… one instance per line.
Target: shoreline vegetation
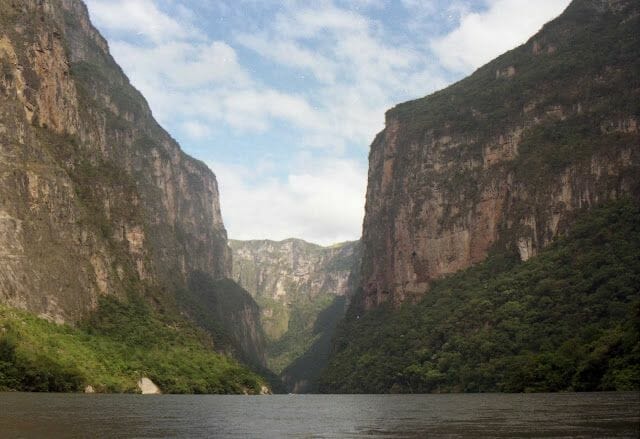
x=120, y=344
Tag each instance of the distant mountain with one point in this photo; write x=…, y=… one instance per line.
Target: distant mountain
x=301, y=289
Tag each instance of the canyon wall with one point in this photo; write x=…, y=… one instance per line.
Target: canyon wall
x=96, y=199
x=502, y=160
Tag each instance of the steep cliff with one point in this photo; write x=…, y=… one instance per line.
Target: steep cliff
x=94, y=192
x=501, y=160
x=301, y=289
x=96, y=199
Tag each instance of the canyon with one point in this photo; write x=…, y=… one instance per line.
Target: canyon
x=97, y=200
x=497, y=210
x=500, y=245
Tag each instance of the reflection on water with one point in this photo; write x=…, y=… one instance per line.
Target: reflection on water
x=311, y=416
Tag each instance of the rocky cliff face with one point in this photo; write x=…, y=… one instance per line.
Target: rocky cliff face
x=278, y=273
x=282, y=269
x=95, y=197
x=501, y=160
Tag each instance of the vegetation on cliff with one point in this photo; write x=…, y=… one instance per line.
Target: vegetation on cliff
x=111, y=350
x=568, y=319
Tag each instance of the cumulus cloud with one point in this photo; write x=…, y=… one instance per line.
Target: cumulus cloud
x=320, y=200
x=481, y=36
x=137, y=17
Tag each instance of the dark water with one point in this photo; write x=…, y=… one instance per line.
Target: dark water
x=310, y=416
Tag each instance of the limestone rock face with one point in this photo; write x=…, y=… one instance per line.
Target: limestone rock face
x=285, y=268
x=504, y=159
x=278, y=273
x=302, y=290
x=94, y=194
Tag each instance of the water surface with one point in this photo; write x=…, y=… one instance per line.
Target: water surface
x=318, y=416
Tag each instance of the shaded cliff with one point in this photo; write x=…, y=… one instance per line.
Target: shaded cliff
x=301, y=289
x=224, y=308
x=96, y=199
x=501, y=160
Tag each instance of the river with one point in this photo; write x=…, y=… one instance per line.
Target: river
x=331, y=416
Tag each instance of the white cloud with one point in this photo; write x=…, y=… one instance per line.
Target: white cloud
x=309, y=22
x=322, y=201
x=182, y=65
x=138, y=17
x=360, y=69
x=290, y=54
x=197, y=130
x=481, y=36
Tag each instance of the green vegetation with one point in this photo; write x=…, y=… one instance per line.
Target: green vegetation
x=227, y=311
x=301, y=331
x=594, y=56
x=120, y=343
x=275, y=316
x=568, y=319
x=294, y=283
x=302, y=373
x=230, y=315
x=581, y=79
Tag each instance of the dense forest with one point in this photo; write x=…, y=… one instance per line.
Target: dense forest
x=566, y=320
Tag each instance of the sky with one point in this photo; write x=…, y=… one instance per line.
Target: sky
x=281, y=99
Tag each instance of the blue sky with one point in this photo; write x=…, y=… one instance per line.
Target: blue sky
x=283, y=98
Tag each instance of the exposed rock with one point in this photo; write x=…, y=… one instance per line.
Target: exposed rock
x=280, y=272
x=264, y=390
x=94, y=194
x=489, y=164
x=285, y=268
x=148, y=387
x=229, y=312
x=89, y=389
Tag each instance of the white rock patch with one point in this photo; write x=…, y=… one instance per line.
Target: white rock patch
x=148, y=387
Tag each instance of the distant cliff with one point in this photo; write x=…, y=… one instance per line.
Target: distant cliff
x=96, y=199
x=301, y=289
x=501, y=160
x=279, y=273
